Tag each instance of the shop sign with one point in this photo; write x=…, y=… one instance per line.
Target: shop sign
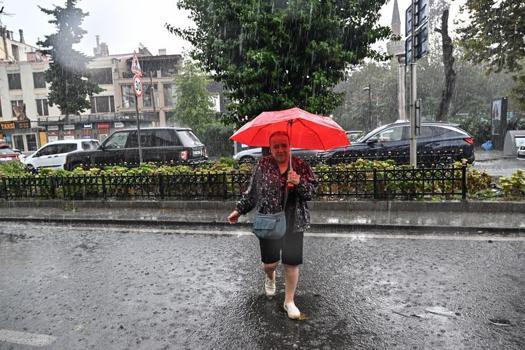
x=88, y=126
x=52, y=128
x=69, y=127
x=103, y=125
x=23, y=124
x=52, y=133
x=119, y=125
x=69, y=137
x=7, y=125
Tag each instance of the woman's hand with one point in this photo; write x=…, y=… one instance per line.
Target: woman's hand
x=233, y=217
x=293, y=177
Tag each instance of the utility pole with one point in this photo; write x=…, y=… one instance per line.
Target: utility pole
x=416, y=46
x=413, y=92
x=369, y=119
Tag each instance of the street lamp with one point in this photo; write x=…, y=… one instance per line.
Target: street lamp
x=367, y=88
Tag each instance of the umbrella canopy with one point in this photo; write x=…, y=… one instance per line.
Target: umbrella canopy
x=305, y=130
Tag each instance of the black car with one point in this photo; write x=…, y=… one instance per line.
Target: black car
x=158, y=145
x=437, y=143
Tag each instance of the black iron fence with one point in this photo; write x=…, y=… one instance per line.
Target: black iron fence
x=399, y=183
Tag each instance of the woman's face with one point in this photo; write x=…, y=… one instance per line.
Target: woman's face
x=280, y=148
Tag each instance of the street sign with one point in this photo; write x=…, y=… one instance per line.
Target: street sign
x=416, y=26
x=137, y=85
x=135, y=66
x=421, y=45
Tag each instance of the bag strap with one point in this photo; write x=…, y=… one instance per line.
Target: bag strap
x=285, y=195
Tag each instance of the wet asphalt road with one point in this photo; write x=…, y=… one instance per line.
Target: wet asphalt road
x=120, y=288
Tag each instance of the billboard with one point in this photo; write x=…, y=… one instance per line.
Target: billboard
x=498, y=112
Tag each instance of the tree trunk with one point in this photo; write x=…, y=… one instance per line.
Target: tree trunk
x=448, y=63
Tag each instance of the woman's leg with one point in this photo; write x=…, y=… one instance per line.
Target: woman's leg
x=269, y=269
x=291, y=276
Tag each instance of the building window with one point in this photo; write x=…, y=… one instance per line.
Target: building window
x=102, y=104
x=39, y=80
x=14, y=81
x=42, y=107
x=16, y=103
x=31, y=142
x=128, y=97
x=16, y=56
x=169, y=95
x=150, y=96
x=101, y=76
x=18, y=141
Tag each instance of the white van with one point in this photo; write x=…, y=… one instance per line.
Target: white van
x=53, y=154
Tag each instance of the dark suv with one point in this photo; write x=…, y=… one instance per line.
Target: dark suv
x=437, y=143
x=158, y=145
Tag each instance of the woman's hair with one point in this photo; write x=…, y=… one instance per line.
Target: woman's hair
x=278, y=133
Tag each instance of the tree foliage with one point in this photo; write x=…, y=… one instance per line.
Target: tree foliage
x=67, y=71
x=275, y=54
x=493, y=36
x=193, y=107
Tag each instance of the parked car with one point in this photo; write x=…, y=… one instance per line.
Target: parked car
x=158, y=145
x=437, y=142
x=253, y=154
x=53, y=154
x=521, y=152
x=8, y=154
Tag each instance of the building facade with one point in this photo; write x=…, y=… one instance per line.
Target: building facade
x=27, y=121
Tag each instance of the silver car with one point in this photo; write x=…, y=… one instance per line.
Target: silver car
x=521, y=152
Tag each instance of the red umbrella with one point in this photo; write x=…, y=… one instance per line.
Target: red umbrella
x=305, y=130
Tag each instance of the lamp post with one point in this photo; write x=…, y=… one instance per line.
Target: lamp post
x=367, y=88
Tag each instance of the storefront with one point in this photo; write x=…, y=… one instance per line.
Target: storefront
x=20, y=135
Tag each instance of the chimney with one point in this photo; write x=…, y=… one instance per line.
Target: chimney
x=21, y=32
x=162, y=52
x=98, y=40
x=8, y=34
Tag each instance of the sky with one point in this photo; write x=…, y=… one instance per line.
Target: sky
x=123, y=24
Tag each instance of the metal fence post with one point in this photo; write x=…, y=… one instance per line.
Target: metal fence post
x=104, y=191
x=375, y=183
x=464, y=181
x=161, y=185
x=4, y=187
x=52, y=187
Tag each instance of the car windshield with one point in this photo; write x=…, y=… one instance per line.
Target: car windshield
x=365, y=137
x=188, y=138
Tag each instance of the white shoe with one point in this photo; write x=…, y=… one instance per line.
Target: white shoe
x=292, y=310
x=269, y=285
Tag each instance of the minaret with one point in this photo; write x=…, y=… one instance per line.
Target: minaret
x=396, y=21
x=397, y=49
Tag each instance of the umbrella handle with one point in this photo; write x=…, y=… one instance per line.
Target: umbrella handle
x=290, y=142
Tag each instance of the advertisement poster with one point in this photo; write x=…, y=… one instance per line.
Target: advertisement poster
x=496, y=116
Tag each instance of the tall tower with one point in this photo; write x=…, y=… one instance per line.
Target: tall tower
x=397, y=49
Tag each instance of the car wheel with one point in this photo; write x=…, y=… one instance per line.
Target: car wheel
x=247, y=159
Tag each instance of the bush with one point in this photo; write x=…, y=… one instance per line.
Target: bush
x=513, y=187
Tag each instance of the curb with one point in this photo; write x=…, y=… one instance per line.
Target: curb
x=317, y=228
x=349, y=205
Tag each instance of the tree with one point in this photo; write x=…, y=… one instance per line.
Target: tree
x=67, y=71
x=193, y=106
x=448, y=65
x=494, y=37
x=277, y=54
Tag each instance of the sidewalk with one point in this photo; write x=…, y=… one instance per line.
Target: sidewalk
x=495, y=217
